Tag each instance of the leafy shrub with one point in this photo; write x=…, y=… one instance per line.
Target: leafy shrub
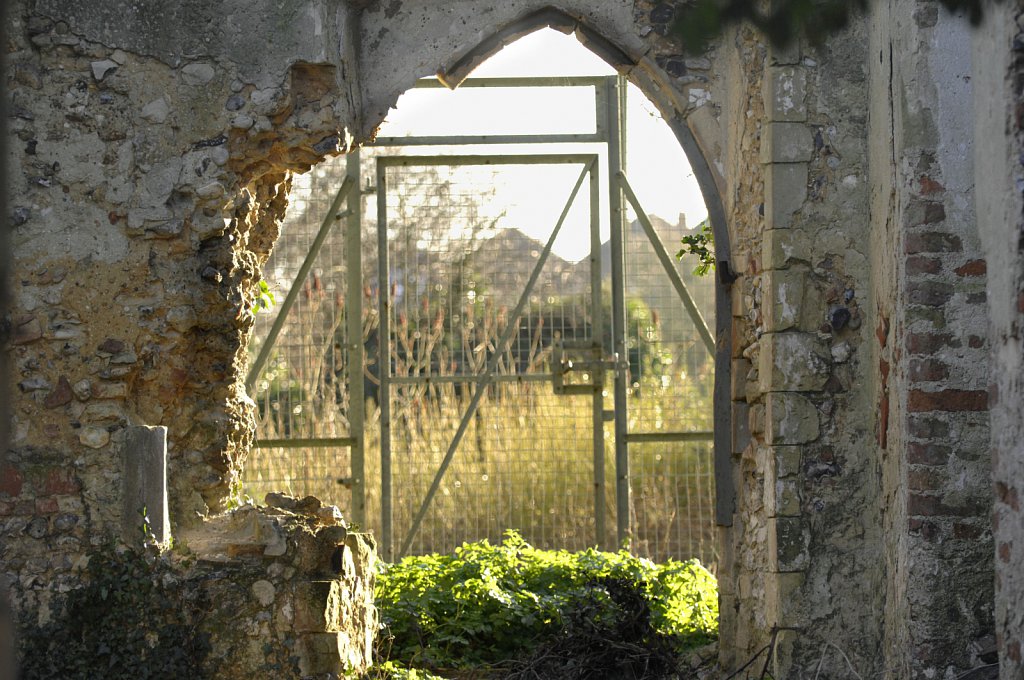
x=485, y=605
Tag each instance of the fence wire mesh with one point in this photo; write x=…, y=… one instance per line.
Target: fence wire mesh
x=301, y=392
x=457, y=268
x=456, y=277
x=672, y=383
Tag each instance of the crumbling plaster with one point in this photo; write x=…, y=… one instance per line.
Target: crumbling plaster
x=150, y=159
x=932, y=345
x=998, y=65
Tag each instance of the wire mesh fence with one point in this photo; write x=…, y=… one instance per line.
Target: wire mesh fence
x=456, y=282
x=456, y=271
x=672, y=383
x=301, y=393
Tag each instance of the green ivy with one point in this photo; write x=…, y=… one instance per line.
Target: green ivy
x=265, y=299
x=700, y=243
x=487, y=604
x=133, y=619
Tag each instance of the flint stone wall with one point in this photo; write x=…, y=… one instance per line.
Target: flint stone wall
x=150, y=154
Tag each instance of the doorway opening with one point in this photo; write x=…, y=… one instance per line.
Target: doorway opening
x=478, y=326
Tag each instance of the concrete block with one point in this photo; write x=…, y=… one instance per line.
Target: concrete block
x=781, y=496
x=757, y=419
x=320, y=654
x=785, y=94
x=244, y=532
x=782, y=248
x=785, y=646
x=783, y=300
x=783, y=598
x=736, y=293
x=788, y=544
x=318, y=606
x=790, y=419
x=787, y=461
x=786, y=143
x=785, y=192
x=752, y=386
x=144, y=483
x=793, y=362
x=740, y=368
x=740, y=426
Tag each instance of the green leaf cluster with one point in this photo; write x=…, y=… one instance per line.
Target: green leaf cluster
x=486, y=604
x=701, y=244
x=265, y=299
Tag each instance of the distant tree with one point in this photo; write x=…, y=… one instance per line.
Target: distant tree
x=783, y=21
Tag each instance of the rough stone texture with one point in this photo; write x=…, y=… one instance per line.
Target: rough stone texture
x=150, y=157
x=998, y=64
x=932, y=349
x=290, y=595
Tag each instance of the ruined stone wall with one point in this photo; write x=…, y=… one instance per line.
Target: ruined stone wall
x=932, y=347
x=290, y=591
x=807, y=298
x=147, y=178
x=148, y=163
x=150, y=158
x=999, y=143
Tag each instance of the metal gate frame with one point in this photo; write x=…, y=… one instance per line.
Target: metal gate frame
x=610, y=119
x=487, y=375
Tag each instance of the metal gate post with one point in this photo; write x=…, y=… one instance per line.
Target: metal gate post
x=597, y=337
x=616, y=161
x=384, y=363
x=354, y=336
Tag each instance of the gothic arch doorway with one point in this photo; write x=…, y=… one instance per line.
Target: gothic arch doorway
x=410, y=374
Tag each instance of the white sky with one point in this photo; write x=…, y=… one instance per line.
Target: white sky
x=657, y=168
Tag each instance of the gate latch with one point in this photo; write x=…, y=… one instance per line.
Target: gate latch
x=583, y=358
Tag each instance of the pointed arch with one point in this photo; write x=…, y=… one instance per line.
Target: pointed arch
x=647, y=76
x=454, y=73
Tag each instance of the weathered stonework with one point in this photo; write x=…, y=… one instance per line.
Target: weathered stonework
x=291, y=591
x=869, y=209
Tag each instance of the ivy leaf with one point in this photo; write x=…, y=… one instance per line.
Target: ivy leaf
x=700, y=243
x=265, y=299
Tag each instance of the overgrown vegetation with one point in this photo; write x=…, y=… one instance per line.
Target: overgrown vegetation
x=511, y=610
x=133, y=619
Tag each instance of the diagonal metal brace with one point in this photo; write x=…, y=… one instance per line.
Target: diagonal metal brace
x=669, y=266
x=293, y=292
